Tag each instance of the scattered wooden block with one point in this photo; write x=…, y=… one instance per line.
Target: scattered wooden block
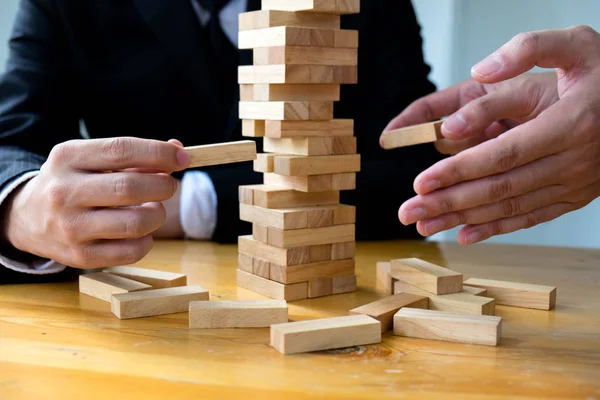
x=450, y=327
x=343, y=251
x=222, y=153
x=264, y=163
x=412, y=135
x=340, y=7
x=384, y=279
x=325, y=334
x=426, y=276
x=320, y=253
x=320, y=288
x=246, y=261
x=272, y=289
x=253, y=128
x=313, y=146
x=313, y=183
x=288, y=274
x=464, y=303
x=297, y=74
x=276, y=255
x=344, y=284
x=156, y=279
x=475, y=290
x=384, y=309
x=316, y=165
x=304, y=55
x=277, y=197
x=314, y=92
x=302, y=129
x=153, y=302
x=237, y=314
x=270, y=18
x=517, y=294
x=310, y=237
x=102, y=285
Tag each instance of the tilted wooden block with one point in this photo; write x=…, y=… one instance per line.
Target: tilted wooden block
x=384, y=309
x=450, y=327
x=427, y=276
x=250, y=247
x=316, y=165
x=384, y=279
x=102, y=285
x=465, y=303
x=264, y=163
x=237, y=314
x=517, y=294
x=340, y=7
x=222, y=153
x=153, y=302
x=277, y=197
x=267, y=92
x=156, y=279
x=412, y=135
x=297, y=74
x=313, y=183
x=344, y=284
x=270, y=18
x=310, y=237
x=325, y=334
x=475, y=290
x=320, y=288
x=297, y=36
x=272, y=289
x=301, y=129
x=304, y=55
x=253, y=128
x=288, y=274
x=286, y=110
x=313, y=146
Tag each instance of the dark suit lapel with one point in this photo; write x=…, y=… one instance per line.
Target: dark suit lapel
x=176, y=26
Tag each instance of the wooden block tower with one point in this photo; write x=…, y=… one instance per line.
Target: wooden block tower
x=303, y=240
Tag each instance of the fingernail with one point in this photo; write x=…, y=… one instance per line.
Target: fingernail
x=455, y=124
x=489, y=66
x=433, y=226
x=415, y=214
x=183, y=158
x=430, y=186
x=474, y=237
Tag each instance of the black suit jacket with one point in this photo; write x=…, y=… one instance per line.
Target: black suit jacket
x=140, y=68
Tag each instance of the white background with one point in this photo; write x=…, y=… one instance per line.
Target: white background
x=457, y=34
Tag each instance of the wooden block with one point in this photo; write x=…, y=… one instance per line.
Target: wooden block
x=311, y=146
x=153, y=302
x=272, y=289
x=253, y=128
x=260, y=233
x=277, y=197
x=475, y=290
x=301, y=129
x=340, y=7
x=384, y=309
x=294, y=218
x=316, y=165
x=310, y=237
x=246, y=93
x=102, y=285
x=154, y=278
x=289, y=274
x=222, y=153
x=270, y=18
x=296, y=74
x=450, y=327
x=320, y=288
x=384, y=279
x=348, y=6
x=345, y=75
x=313, y=183
x=286, y=110
x=237, y=314
x=304, y=55
x=412, y=135
x=312, y=92
x=261, y=268
x=464, y=303
x=345, y=39
x=246, y=195
x=321, y=252
x=264, y=163
x=344, y=214
x=325, y=334
x=344, y=284
x=427, y=276
x=246, y=262
x=343, y=251
x=276, y=36
x=293, y=256
x=322, y=38
x=320, y=217
x=517, y=294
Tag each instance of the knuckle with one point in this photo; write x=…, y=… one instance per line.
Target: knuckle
x=584, y=33
x=507, y=158
x=69, y=230
x=528, y=43
x=134, y=227
x=124, y=187
x=461, y=218
x=85, y=256
x=511, y=207
x=119, y=148
x=495, y=228
x=447, y=205
x=135, y=253
x=499, y=189
x=531, y=220
x=56, y=193
x=61, y=153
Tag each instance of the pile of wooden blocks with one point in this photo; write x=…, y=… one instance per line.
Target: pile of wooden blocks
x=303, y=240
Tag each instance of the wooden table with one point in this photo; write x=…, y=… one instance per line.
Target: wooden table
x=56, y=343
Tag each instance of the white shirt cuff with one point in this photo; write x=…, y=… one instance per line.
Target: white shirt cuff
x=36, y=267
x=198, y=205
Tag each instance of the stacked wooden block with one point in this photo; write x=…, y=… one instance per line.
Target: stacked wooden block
x=303, y=240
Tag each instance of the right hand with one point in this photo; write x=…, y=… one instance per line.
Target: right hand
x=95, y=203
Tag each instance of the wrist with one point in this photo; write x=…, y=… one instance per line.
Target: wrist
x=13, y=208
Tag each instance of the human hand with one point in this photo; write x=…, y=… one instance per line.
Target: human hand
x=95, y=203
x=542, y=168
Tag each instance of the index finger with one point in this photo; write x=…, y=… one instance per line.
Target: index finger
x=121, y=153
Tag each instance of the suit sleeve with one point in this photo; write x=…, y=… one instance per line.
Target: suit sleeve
x=38, y=106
